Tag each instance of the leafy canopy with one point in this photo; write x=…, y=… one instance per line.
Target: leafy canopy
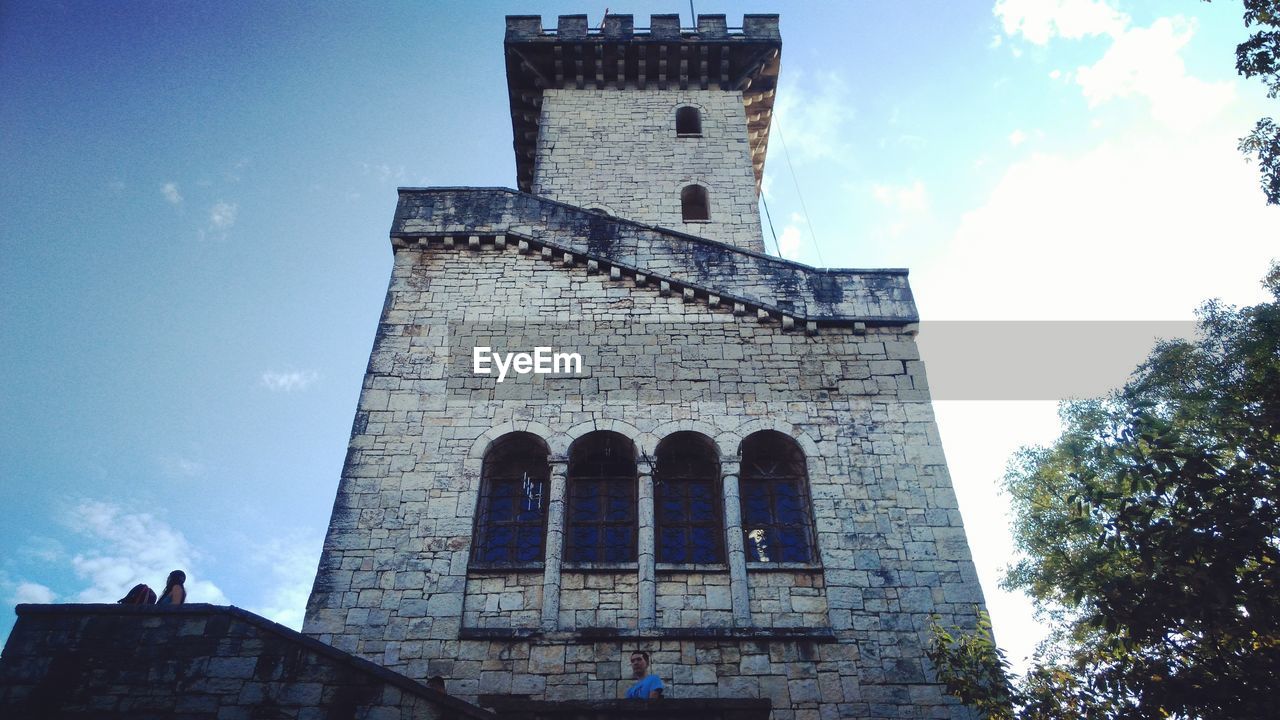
x=1150, y=531
x=1259, y=57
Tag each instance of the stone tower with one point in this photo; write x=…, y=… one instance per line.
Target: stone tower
x=597, y=418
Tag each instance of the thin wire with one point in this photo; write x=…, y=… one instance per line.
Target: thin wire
x=776, y=247
x=812, y=235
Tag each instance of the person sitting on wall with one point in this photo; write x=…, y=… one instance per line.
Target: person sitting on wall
x=646, y=687
x=174, y=591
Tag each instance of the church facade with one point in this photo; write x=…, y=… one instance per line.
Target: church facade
x=597, y=417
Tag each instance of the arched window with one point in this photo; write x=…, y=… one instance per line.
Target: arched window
x=688, y=121
x=776, y=525
x=511, y=516
x=694, y=204
x=601, y=512
x=687, y=501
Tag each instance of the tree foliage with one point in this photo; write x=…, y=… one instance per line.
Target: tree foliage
x=1151, y=532
x=1259, y=57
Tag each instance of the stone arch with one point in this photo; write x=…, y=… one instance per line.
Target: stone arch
x=808, y=444
x=659, y=433
x=695, y=203
x=688, y=120
x=561, y=441
x=704, y=114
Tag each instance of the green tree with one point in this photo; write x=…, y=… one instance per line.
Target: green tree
x=1259, y=57
x=1150, y=534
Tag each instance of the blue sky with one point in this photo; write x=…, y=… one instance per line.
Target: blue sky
x=196, y=200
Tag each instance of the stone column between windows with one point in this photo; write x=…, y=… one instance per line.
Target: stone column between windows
x=733, y=543
x=555, y=546
x=648, y=586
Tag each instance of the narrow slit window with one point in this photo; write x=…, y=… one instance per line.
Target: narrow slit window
x=694, y=205
x=688, y=122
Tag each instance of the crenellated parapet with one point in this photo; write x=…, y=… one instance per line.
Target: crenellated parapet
x=616, y=54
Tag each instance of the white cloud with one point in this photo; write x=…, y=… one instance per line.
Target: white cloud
x=291, y=564
x=1140, y=228
x=288, y=381
x=29, y=592
x=1038, y=21
x=1017, y=137
x=1147, y=62
x=177, y=466
x=789, y=243
x=223, y=215
x=170, y=192
x=813, y=124
x=129, y=548
x=904, y=198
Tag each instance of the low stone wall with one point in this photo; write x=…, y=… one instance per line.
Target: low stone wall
x=194, y=661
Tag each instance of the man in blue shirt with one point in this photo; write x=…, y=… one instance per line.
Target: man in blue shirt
x=646, y=687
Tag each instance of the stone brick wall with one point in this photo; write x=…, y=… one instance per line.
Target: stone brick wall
x=194, y=661
x=842, y=636
x=617, y=149
x=599, y=600
x=503, y=600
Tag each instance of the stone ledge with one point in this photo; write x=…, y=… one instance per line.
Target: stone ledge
x=819, y=634
x=77, y=612
x=517, y=708
x=845, y=297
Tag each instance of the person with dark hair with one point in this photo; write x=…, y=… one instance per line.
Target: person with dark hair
x=437, y=683
x=646, y=687
x=174, y=591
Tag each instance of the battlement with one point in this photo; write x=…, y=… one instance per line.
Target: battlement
x=616, y=54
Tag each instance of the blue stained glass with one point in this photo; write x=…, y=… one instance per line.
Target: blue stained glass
x=585, y=543
x=792, y=545
x=703, y=547
x=619, y=508
x=790, y=510
x=617, y=544
x=671, y=545
x=670, y=509
x=755, y=507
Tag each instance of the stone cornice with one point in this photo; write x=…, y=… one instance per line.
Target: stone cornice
x=698, y=270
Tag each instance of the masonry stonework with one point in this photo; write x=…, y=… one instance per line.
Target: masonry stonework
x=686, y=333
x=617, y=149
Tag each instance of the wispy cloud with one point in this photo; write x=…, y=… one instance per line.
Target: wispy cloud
x=178, y=466
x=789, y=242
x=223, y=215
x=1141, y=62
x=1038, y=21
x=288, y=381
x=291, y=565
x=170, y=192
x=30, y=592
x=1017, y=137
x=811, y=119
x=128, y=548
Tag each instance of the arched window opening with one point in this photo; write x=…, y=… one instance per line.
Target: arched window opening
x=776, y=524
x=687, y=501
x=688, y=122
x=694, y=205
x=601, y=509
x=511, y=516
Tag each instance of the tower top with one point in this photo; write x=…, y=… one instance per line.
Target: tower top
x=618, y=55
